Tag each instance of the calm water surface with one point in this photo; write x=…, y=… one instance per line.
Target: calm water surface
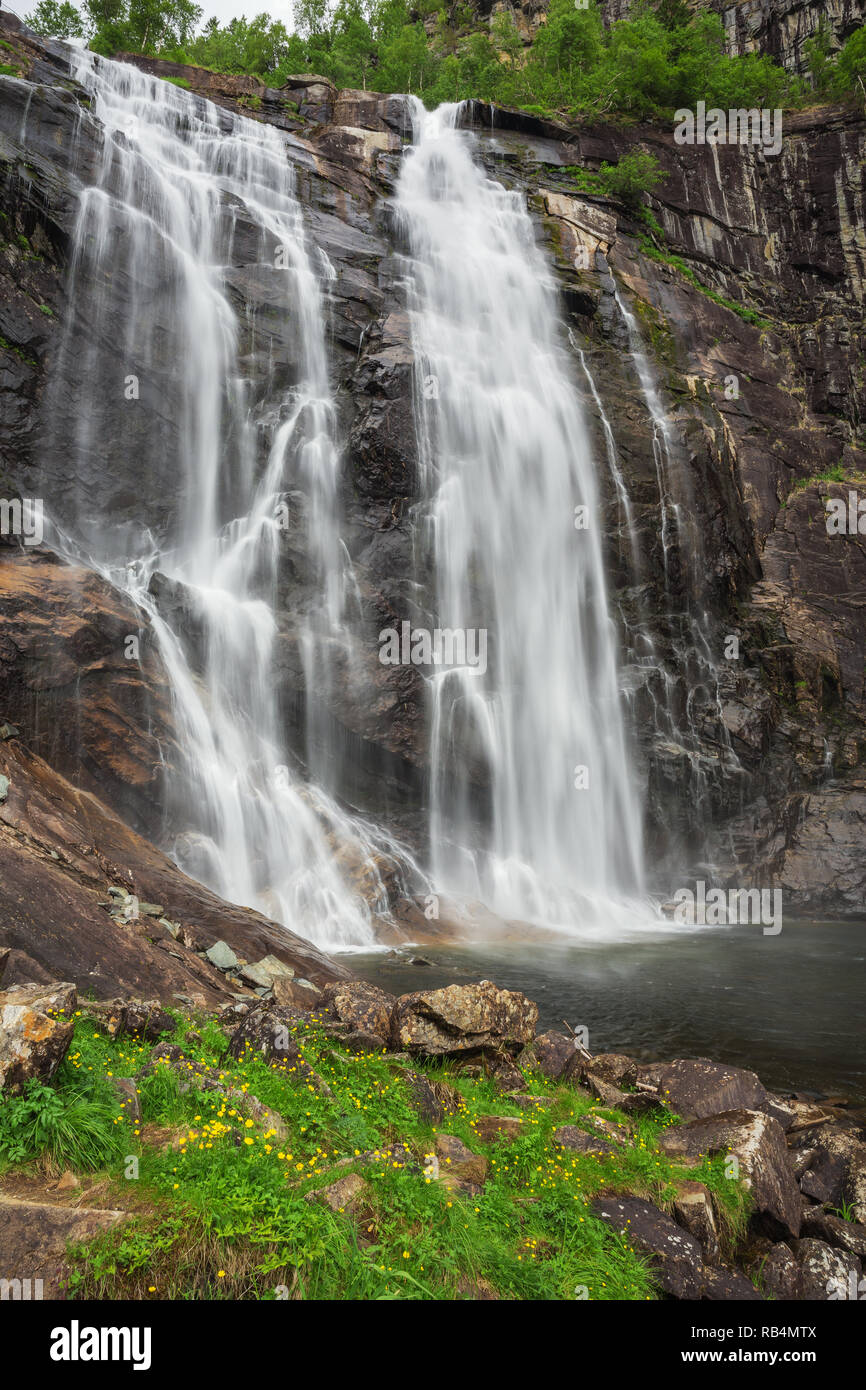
x=791, y=1007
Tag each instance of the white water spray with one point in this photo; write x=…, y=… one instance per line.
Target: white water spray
x=180, y=179
x=533, y=806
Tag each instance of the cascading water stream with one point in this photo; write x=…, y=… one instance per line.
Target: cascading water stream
x=533, y=806
x=694, y=659
x=180, y=179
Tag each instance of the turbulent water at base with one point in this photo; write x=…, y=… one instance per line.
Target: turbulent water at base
x=506, y=467
x=178, y=178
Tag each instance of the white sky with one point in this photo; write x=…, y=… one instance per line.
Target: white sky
x=223, y=9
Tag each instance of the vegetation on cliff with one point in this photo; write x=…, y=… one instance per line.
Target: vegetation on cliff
x=662, y=58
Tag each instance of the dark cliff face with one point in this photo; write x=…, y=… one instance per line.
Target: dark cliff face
x=755, y=761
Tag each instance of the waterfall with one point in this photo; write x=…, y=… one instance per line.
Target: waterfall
x=693, y=686
x=534, y=810
x=180, y=181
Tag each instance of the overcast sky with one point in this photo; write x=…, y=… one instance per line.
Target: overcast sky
x=223, y=9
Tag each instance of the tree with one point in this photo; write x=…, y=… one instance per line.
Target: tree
x=635, y=175
x=57, y=19
x=850, y=77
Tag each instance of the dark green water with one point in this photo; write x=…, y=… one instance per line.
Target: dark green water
x=791, y=1007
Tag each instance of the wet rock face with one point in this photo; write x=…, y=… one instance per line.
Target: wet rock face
x=79, y=668
x=62, y=850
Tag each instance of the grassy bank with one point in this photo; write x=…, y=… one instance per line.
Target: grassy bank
x=216, y=1185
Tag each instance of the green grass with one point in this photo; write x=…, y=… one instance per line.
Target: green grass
x=178, y=82
x=836, y=474
x=654, y=253
x=220, y=1212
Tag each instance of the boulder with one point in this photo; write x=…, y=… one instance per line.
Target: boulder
x=463, y=1018
x=773, y=1268
x=674, y=1254
x=693, y=1210
x=298, y=994
x=696, y=1088
x=823, y=1179
x=458, y=1167
x=360, y=1006
x=843, y=1235
x=825, y=1274
x=612, y=1098
x=758, y=1143
x=550, y=1053
x=36, y=1028
x=267, y=1029
x=577, y=1139
x=222, y=956
x=492, y=1129
x=837, y=1171
x=611, y=1067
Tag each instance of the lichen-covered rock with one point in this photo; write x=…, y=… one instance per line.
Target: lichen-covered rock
x=675, y=1255
x=693, y=1210
x=361, y=1007
x=697, y=1088
x=757, y=1142
x=36, y=1028
x=463, y=1018
x=826, y=1275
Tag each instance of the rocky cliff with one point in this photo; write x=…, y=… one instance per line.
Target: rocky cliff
x=749, y=306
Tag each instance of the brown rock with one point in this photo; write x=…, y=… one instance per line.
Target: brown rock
x=463, y=1018
x=33, y=1037
x=129, y=1098
x=34, y=1237
x=350, y=1194
x=298, y=994
x=362, y=1007
x=573, y=1137
x=460, y=1168
x=550, y=1054
x=693, y=1209
x=492, y=1129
